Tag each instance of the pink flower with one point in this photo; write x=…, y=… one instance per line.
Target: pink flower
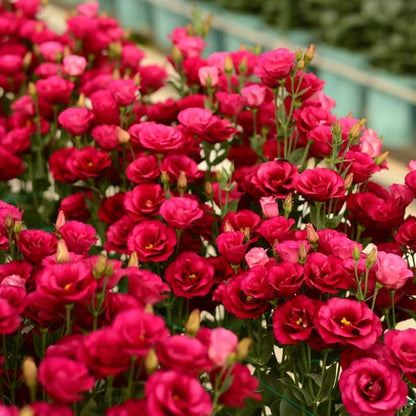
x=257, y=256
x=196, y=119
x=180, y=212
x=275, y=65
x=174, y=392
x=371, y=387
x=242, y=387
x=144, y=201
x=88, y=162
x=392, y=270
x=319, y=184
x=36, y=244
x=51, y=50
x=143, y=169
x=370, y=143
x=190, y=46
x=222, y=343
x=79, y=237
x=190, y=275
x=401, y=351
x=123, y=91
x=138, y=331
x=208, y=76
x=159, y=138
x=64, y=379
x=231, y=245
x=254, y=95
x=182, y=353
x=74, y=65
x=285, y=278
x=269, y=206
x=230, y=105
x=152, y=241
x=348, y=322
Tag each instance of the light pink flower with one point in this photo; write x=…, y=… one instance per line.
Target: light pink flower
x=222, y=343
x=254, y=95
x=370, y=143
x=74, y=65
x=269, y=206
x=392, y=270
x=208, y=76
x=257, y=256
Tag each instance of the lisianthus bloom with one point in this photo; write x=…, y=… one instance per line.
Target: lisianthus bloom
x=36, y=244
x=74, y=65
x=64, y=379
x=180, y=212
x=174, y=392
x=372, y=387
x=293, y=321
x=348, y=322
x=401, y=351
x=190, y=275
x=79, y=237
x=392, y=270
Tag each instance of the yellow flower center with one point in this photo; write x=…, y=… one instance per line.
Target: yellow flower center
x=345, y=321
x=149, y=247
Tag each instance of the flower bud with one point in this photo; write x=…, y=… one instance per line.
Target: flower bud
x=122, y=135
x=81, y=101
x=62, y=253
x=302, y=254
x=60, y=221
x=208, y=190
x=99, y=267
x=309, y=54
x=311, y=234
x=228, y=65
x=243, y=348
x=380, y=159
x=26, y=411
x=32, y=89
x=348, y=181
x=300, y=65
x=27, y=60
x=193, y=323
x=17, y=227
x=228, y=226
x=133, y=260
x=287, y=204
x=149, y=308
x=9, y=222
x=182, y=182
x=151, y=363
x=30, y=372
x=356, y=254
x=371, y=259
x=176, y=55
x=269, y=206
x=355, y=132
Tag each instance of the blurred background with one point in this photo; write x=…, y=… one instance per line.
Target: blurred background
x=366, y=58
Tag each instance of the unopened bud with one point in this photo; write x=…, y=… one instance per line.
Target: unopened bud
x=127, y=34
x=302, y=254
x=228, y=65
x=9, y=222
x=337, y=130
x=193, y=323
x=123, y=136
x=151, y=363
x=355, y=131
x=133, y=260
x=149, y=308
x=60, y=221
x=242, y=66
x=182, y=181
x=287, y=204
x=27, y=60
x=208, y=190
x=380, y=159
x=348, y=181
x=62, y=253
x=300, y=65
x=17, y=227
x=81, y=101
x=116, y=74
x=31, y=88
x=176, y=55
x=311, y=234
x=44, y=3
x=356, y=254
x=26, y=411
x=30, y=372
x=137, y=79
x=99, y=267
x=246, y=232
x=309, y=54
x=243, y=348
x=371, y=259
x=228, y=226
x=164, y=178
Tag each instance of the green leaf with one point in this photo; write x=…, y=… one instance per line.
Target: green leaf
x=90, y=409
x=296, y=156
x=287, y=408
x=328, y=382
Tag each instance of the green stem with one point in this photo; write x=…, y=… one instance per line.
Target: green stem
x=68, y=320
x=130, y=383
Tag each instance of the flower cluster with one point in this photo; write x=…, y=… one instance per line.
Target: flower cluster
x=223, y=249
